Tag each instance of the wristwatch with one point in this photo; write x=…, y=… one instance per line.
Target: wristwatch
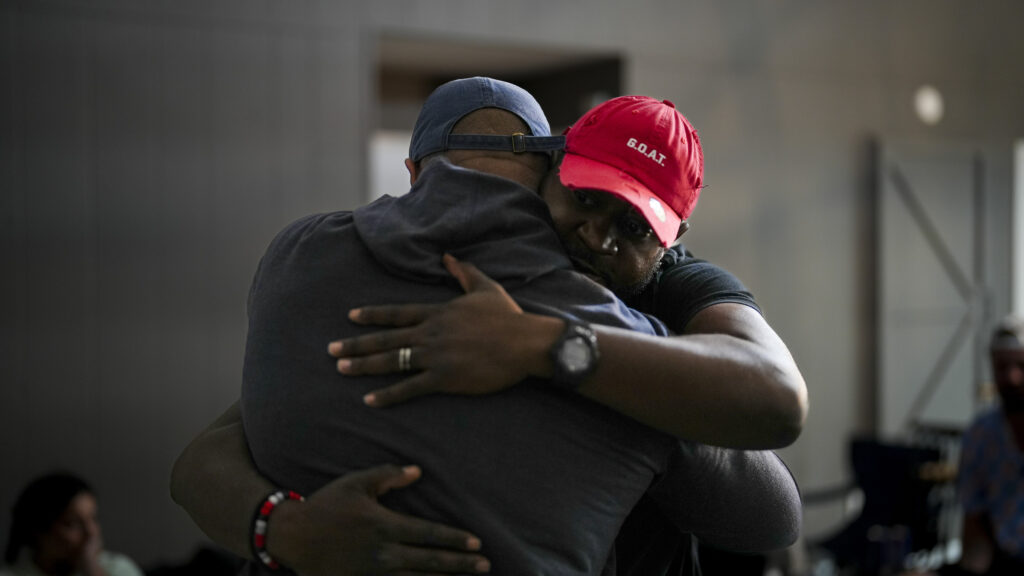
x=574, y=355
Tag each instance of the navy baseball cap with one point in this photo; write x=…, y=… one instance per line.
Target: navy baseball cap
x=451, y=101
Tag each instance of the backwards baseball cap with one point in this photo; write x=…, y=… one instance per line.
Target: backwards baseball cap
x=1008, y=334
x=451, y=101
x=641, y=150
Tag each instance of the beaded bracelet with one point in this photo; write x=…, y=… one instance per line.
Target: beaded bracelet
x=259, y=525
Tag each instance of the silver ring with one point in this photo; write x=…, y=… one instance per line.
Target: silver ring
x=405, y=359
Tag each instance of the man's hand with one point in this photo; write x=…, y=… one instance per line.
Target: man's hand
x=478, y=343
x=342, y=530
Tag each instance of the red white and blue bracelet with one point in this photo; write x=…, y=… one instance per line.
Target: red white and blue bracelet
x=259, y=525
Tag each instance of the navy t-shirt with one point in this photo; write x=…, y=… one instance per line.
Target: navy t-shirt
x=686, y=285
x=649, y=544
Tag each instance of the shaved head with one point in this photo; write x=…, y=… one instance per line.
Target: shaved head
x=526, y=168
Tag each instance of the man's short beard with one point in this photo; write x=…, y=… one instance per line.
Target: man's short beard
x=623, y=291
x=636, y=288
x=583, y=259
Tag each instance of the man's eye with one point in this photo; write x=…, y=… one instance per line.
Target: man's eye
x=635, y=227
x=585, y=198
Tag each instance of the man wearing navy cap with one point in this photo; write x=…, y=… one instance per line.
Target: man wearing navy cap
x=991, y=476
x=379, y=253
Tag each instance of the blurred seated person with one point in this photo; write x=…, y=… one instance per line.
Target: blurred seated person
x=55, y=532
x=991, y=478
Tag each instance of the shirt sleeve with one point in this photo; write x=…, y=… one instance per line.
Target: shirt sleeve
x=686, y=285
x=970, y=484
x=738, y=500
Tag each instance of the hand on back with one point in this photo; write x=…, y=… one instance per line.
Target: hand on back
x=341, y=529
x=466, y=346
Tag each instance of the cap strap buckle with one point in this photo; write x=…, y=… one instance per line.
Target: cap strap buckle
x=518, y=143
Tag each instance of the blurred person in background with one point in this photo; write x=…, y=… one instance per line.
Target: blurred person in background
x=991, y=477
x=55, y=531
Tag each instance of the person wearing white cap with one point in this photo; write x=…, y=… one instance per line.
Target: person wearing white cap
x=991, y=475
x=571, y=368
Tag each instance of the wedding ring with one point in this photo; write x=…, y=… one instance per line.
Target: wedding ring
x=405, y=359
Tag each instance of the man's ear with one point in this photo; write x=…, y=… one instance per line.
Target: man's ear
x=414, y=170
x=683, y=227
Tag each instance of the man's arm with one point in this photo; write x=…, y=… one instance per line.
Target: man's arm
x=213, y=481
x=728, y=380
x=339, y=529
x=978, y=543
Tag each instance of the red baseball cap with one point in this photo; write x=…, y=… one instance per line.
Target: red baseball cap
x=641, y=150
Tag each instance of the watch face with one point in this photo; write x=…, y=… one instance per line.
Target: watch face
x=575, y=355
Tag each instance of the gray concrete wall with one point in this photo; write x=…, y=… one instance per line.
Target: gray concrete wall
x=149, y=151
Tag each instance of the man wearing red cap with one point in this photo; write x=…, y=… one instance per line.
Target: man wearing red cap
x=619, y=199
x=640, y=150
x=619, y=196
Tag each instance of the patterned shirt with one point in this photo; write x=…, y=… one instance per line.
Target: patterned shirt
x=992, y=479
